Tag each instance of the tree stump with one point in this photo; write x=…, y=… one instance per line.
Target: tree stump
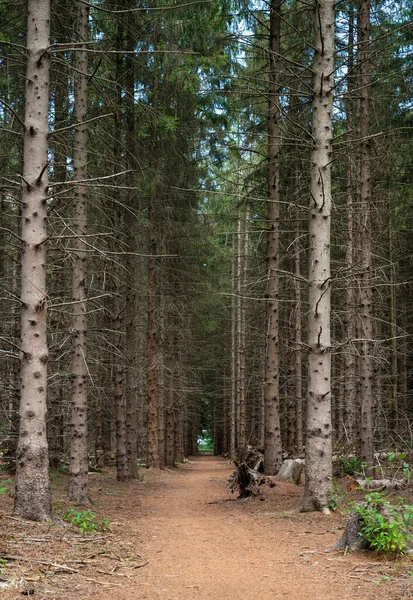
x=290, y=470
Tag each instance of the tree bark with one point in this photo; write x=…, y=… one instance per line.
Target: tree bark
x=272, y=437
x=318, y=458
x=78, y=481
x=32, y=495
x=366, y=293
x=131, y=259
x=298, y=343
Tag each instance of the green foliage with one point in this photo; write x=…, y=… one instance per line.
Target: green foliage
x=55, y=478
x=85, y=520
x=3, y=563
x=205, y=441
x=384, y=526
x=350, y=466
x=4, y=486
x=406, y=468
x=336, y=497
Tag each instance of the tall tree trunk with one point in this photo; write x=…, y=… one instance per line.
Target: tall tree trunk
x=298, y=342
x=118, y=305
x=318, y=456
x=350, y=316
x=152, y=445
x=239, y=407
x=366, y=293
x=78, y=481
x=272, y=441
x=242, y=336
x=131, y=259
x=32, y=496
x=233, y=398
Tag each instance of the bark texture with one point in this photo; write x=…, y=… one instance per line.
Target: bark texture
x=272, y=435
x=32, y=496
x=318, y=459
x=78, y=481
x=366, y=292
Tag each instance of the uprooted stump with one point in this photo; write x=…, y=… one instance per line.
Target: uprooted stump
x=254, y=459
x=245, y=480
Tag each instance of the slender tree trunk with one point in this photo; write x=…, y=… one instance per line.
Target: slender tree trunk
x=394, y=408
x=233, y=398
x=366, y=295
x=32, y=495
x=272, y=441
x=350, y=316
x=298, y=343
x=120, y=399
x=318, y=456
x=78, y=481
x=131, y=259
x=118, y=304
x=238, y=271
x=152, y=446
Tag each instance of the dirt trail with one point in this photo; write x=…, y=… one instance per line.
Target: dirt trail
x=201, y=545
x=177, y=535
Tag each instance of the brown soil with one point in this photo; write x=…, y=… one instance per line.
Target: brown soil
x=177, y=535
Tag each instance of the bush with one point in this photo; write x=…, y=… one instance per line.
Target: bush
x=85, y=520
x=385, y=527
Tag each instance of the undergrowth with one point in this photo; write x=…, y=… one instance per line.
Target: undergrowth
x=84, y=520
x=385, y=526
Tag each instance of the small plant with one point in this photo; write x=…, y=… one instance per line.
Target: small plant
x=85, y=520
x=406, y=468
x=335, y=496
x=350, y=466
x=55, y=478
x=3, y=563
x=384, y=526
x=4, y=486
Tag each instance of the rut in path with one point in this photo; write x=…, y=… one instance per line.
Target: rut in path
x=200, y=545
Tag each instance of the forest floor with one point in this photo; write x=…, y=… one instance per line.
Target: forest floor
x=178, y=535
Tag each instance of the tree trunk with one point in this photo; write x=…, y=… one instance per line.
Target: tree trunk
x=366, y=293
x=272, y=438
x=350, y=316
x=298, y=343
x=233, y=398
x=32, y=495
x=318, y=457
x=78, y=481
x=131, y=259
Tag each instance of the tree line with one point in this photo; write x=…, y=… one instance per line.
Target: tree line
x=205, y=216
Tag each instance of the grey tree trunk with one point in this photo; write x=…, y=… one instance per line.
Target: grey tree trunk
x=366, y=292
x=272, y=436
x=78, y=466
x=318, y=456
x=298, y=344
x=350, y=316
x=32, y=496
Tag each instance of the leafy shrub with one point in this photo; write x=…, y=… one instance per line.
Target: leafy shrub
x=350, y=466
x=85, y=520
x=384, y=526
x=4, y=486
x=336, y=496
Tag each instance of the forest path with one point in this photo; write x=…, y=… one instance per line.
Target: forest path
x=177, y=535
x=202, y=545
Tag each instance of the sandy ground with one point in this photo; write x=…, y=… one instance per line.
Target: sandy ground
x=178, y=535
